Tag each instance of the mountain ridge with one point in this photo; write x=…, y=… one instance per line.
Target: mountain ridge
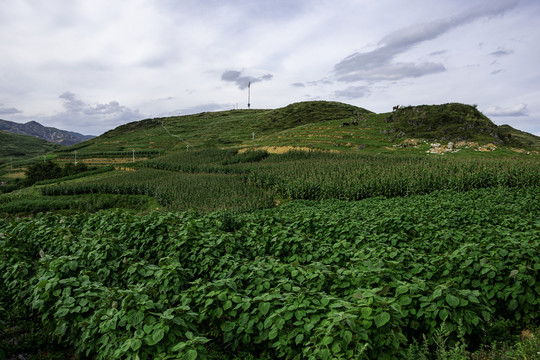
x=50, y=134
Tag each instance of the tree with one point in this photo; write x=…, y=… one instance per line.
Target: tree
x=42, y=171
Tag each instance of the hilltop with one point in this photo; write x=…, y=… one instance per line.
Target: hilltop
x=447, y=122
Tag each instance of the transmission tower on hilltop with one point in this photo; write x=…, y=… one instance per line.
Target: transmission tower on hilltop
x=249, y=94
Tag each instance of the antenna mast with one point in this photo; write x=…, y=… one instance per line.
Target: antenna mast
x=249, y=94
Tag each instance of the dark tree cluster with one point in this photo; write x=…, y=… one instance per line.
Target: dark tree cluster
x=50, y=170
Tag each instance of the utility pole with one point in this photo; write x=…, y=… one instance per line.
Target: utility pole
x=249, y=94
x=75, y=157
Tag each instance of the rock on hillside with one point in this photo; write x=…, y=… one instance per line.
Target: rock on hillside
x=49, y=134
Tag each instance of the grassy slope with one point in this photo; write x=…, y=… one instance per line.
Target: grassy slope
x=221, y=129
x=23, y=146
x=313, y=124
x=523, y=137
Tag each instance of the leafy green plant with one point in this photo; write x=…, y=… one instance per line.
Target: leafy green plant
x=315, y=280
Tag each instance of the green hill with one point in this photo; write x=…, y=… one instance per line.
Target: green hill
x=23, y=146
x=321, y=125
x=214, y=129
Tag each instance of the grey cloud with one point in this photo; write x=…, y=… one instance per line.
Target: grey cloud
x=242, y=81
x=74, y=105
x=9, y=111
x=496, y=72
x=396, y=71
x=518, y=110
x=501, y=52
x=378, y=64
x=440, y=52
x=324, y=81
x=92, y=118
x=353, y=92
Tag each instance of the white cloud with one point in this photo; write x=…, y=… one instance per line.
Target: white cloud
x=517, y=110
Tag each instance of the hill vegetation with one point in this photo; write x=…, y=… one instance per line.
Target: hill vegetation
x=455, y=122
x=16, y=146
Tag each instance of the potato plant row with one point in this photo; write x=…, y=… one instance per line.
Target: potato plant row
x=308, y=280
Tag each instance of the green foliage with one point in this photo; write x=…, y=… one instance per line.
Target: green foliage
x=445, y=122
x=42, y=171
x=22, y=146
x=46, y=170
x=309, y=280
x=33, y=204
x=354, y=177
x=75, y=175
x=210, y=160
x=175, y=191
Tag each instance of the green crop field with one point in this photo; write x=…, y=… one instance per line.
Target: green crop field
x=316, y=231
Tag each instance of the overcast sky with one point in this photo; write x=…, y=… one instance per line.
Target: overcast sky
x=91, y=65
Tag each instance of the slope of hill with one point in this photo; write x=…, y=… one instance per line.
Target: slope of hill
x=521, y=137
x=23, y=146
x=215, y=129
x=49, y=134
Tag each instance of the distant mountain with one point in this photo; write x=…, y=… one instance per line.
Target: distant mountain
x=49, y=134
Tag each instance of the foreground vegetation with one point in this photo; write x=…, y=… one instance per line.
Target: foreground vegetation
x=318, y=280
x=202, y=240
